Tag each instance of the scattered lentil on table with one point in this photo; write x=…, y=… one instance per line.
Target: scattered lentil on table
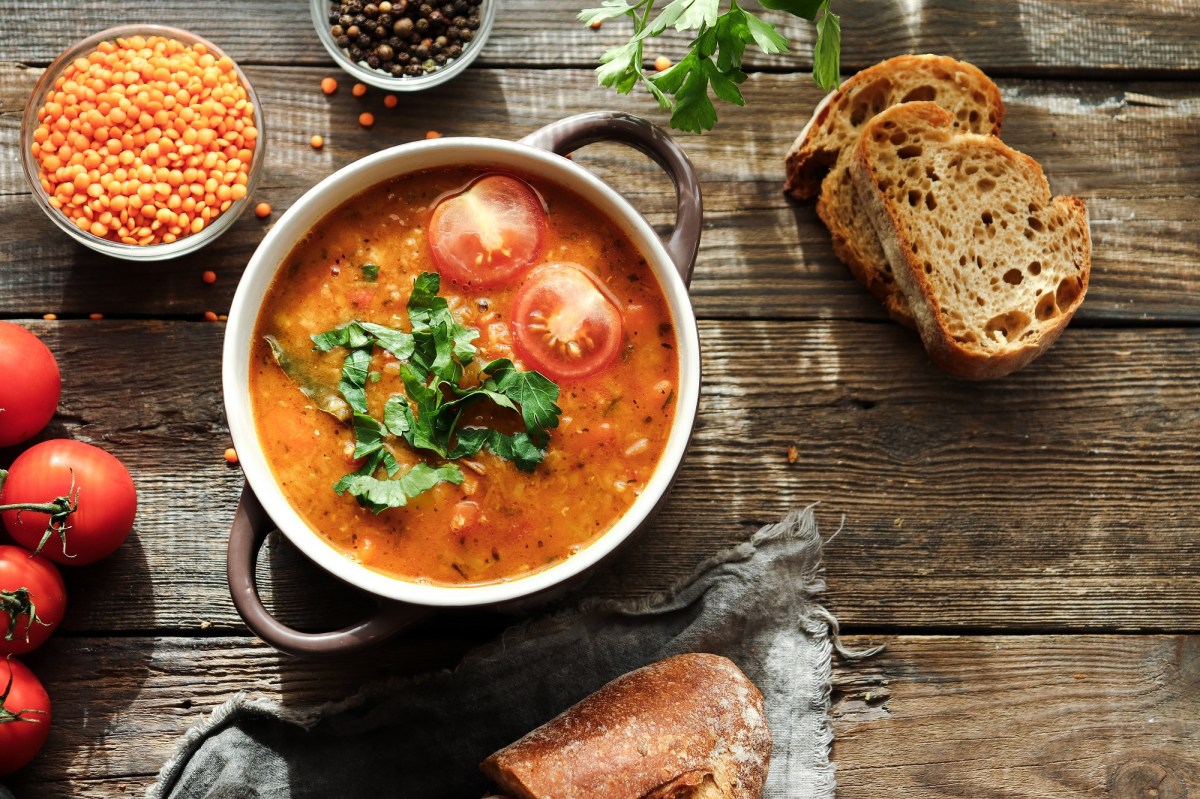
x=262, y=210
x=359, y=89
x=317, y=141
x=403, y=37
x=390, y=101
x=145, y=140
x=329, y=85
x=366, y=119
x=209, y=277
x=662, y=63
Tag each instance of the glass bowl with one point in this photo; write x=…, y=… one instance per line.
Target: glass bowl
x=133, y=252
x=383, y=80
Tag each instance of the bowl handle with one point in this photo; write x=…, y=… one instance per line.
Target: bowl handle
x=250, y=527
x=571, y=133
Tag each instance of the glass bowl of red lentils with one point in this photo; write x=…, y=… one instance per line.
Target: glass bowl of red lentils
x=143, y=142
x=403, y=45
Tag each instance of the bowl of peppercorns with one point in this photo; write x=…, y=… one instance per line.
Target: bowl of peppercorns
x=403, y=45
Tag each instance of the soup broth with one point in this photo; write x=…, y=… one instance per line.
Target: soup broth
x=500, y=522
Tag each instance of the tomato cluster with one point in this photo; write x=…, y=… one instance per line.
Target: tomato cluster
x=62, y=501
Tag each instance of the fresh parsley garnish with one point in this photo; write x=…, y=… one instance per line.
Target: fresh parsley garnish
x=426, y=416
x=715, y=56
x=370, y=272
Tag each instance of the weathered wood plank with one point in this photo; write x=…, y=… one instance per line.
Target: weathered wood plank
x=1080, y=36
x=1036, y=716
x=1062, y=497
x=761, y=255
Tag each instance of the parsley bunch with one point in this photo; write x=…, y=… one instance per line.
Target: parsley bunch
x=427, y=415
x=715, y=58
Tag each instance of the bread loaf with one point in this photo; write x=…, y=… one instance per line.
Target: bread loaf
x=819, y=160
x=688, y=727
x=993, y=268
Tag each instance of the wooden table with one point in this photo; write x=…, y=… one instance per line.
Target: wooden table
x=1029, y=549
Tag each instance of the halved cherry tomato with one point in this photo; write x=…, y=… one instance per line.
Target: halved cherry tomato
x=24, y=715
x=29, y=384
x=489, y=234
x=565, y=323
x=33, y=600
x=87, y=500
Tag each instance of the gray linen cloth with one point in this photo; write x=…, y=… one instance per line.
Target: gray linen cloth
x=424, y=737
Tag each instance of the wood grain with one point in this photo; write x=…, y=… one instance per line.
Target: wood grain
x=1082, y=37
x=761, y=255
x=1061, y=498
x=932, y=716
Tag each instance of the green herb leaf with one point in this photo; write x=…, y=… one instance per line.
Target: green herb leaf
x=610, y=9
x=349, y=335
x=379, y=495
x=370, y=272
x=518, y=448
x=800, y=8
x=368, y=435
x=533, y=391
x=827, y=51
x=354, y=379
x=765, y=35
x=397, y=342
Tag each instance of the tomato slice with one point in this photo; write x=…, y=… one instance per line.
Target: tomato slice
x=565, y=322
x=488, y=235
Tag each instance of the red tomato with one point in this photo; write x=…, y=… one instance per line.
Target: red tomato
x=31, y=590
x=30, y=384
x=565, y=323
x=489, y=234
x=93, y=494
x=24, y=715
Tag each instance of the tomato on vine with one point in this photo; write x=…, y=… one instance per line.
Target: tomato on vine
x=30, y=384
x=33, y=600
x=24, y=715
x=70, y=491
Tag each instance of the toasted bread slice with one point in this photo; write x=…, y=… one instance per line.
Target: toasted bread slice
x=819, y=161
x=993, y=268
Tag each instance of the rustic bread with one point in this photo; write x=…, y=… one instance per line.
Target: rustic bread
x=819, y=161
x=992, y=267
x=688, y=727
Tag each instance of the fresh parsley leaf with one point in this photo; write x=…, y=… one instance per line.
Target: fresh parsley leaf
x=349, y=335
x=533, y=391
x=353, y=384
x=827, y=51
x=378, y=495
x=518, y=448
x=800, y=8
x=370, y=272
x=368, y=435
x=715, y=55
x=397, y=342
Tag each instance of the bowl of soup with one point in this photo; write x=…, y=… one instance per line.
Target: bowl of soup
x=460, y=373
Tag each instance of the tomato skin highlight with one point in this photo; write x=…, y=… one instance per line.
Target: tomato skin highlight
x=21, y=569
x=22, y=737
x=30, y=384
x=487, y=235
x=106, y=506
x=565, y=323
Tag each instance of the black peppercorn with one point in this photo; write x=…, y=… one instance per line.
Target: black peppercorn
x=397, y=70
x=345, y=20
x=413, y=70
x=422, y=51
x=371, y=10
x=343, y=42
x=337, y=31
x=421, y=25
x=473, y=22
x=454, y=50
x=403, y=27
x=373, y=61
x=386, y=20
x=353, y=32
x=356, y=53
x=384, y=52
x=334, y=16
x=440, y=59
x=466, y=35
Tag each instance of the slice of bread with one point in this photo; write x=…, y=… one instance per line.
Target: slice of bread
x=993, y=268
x=819, y=161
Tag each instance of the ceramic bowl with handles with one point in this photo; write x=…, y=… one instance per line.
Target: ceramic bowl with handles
x=263, y=506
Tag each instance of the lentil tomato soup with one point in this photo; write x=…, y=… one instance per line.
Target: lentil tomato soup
x=554, y=287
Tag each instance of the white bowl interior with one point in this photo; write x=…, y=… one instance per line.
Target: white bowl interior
x=328, y=195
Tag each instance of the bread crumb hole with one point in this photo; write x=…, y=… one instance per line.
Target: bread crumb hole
x=920, y=94
x=1067, y=292
x=1036, y=224
x=985, y=185
x=1046, y=308
x=1035, y=268
x=986, y=216
x=909, y=151
x=973, y=117
x=1013, y=277
x=914, y=197
x=899, y=137
x=1007, y=326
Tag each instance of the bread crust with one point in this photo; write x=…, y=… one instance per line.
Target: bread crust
x=932, y=309
x=691, y=726
x=819, y=160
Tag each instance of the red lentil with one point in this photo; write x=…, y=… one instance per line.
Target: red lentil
x=96, y=317
x=329, y=85
x=432, y=134
x=262, y=210
x=359, y=89
x=366, y=119
x=49, y=317
x=231, y=455
x=210, y=316
x=317, y=141
x=662, y=63
x=390, y=101
x=146, y=140
x=209, y=277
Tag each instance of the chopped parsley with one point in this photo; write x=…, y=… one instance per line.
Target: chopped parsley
x=426, y=416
